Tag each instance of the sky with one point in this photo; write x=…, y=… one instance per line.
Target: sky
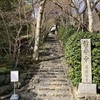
x=79, y=3
x=82, y=5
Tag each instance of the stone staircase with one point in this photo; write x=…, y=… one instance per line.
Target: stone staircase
x=50, y=81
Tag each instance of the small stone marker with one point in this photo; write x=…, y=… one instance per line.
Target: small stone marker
x=86, y=86
x=14, y=78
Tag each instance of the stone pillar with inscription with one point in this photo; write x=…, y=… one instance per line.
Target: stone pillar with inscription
x=86, y=87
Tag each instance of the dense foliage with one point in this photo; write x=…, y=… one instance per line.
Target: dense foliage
x=7, y=5
x=15, y=36
x=64, y=33
x=73, y=55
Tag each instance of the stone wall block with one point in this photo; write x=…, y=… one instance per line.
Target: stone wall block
x=7, y=79
x=4, y=89
x=11, y=87
x=23, y=76
x=2, y=80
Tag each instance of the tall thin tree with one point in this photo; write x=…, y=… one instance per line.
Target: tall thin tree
x=90, y=16
x=38, y=30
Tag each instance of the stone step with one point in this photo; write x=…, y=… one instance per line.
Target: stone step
x=47, y=77
x=42, y=90
x=52, y=94
x=66, y=97
x=51, y=70
x=37, y=79
x=48, y=73
x=52, y=91
x=47, y=83
x=54, y=82
x=52, y=87
x=52, y=79
x=52, y=67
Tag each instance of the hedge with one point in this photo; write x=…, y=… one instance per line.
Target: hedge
x=64, y=34
x=73, y=56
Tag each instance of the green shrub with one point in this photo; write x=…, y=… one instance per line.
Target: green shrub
x=64, y=34
x=61, y=31
x=73, y=56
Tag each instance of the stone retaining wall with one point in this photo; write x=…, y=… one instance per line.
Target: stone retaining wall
x=6, y=86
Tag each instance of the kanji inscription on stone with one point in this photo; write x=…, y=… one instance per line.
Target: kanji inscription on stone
x=86, y=61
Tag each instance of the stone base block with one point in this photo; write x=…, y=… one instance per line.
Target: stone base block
x=87, y=88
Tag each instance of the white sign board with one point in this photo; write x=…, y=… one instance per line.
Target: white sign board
x=14, y=76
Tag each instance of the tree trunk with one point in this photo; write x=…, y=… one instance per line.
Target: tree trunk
x=90, y=16
x=38, y=29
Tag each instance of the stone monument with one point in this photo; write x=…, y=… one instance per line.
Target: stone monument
x=86, y=87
